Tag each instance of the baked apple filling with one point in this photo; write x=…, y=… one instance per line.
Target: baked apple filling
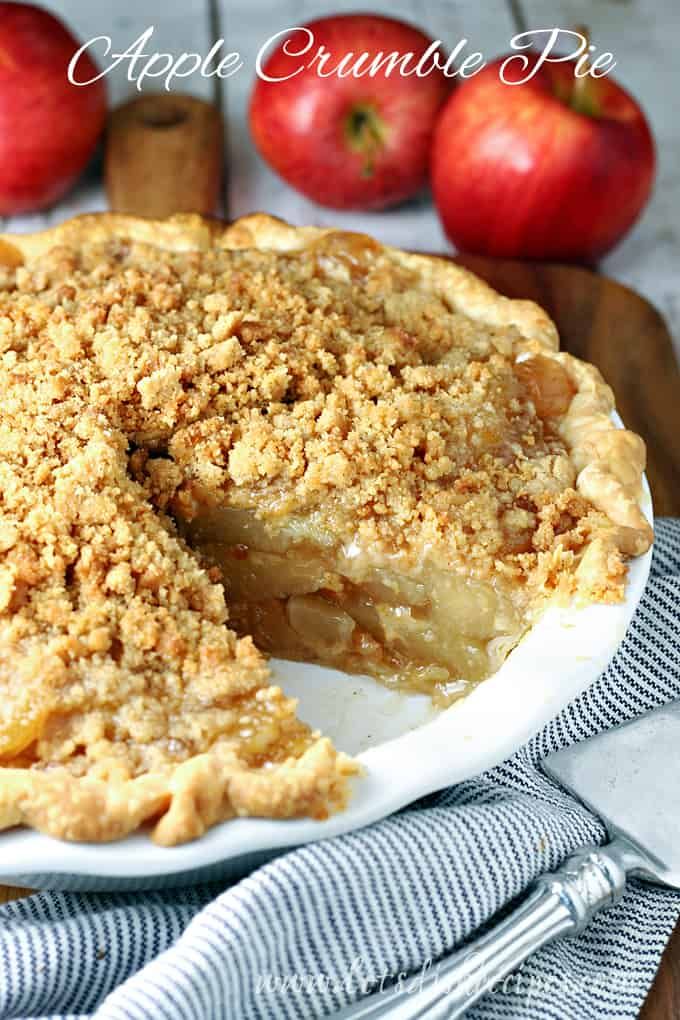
x=304, y=597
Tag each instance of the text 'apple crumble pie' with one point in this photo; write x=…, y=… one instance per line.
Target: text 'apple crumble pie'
x=373, y=460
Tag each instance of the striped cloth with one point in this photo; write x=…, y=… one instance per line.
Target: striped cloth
x=305, y=933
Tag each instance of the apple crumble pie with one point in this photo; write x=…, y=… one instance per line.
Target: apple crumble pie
x=353, y=455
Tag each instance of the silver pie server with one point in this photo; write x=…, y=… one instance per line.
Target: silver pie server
x=630, y=777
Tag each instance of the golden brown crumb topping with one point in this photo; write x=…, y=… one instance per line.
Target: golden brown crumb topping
x=115, y=660
x=338, y=383
x=330, y=380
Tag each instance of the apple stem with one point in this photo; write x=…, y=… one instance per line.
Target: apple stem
x=582, y=99
x=366, y=134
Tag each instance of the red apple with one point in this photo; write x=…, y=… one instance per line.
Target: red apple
x=354, y=142
x=48, y=127
x=546, y=169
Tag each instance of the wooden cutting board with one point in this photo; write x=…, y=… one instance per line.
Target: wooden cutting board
x=627, y=339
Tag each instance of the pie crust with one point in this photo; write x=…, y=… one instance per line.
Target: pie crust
x=384, y=464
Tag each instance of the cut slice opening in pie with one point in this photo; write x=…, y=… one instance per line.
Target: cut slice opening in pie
x=408, y=623
x=218, y=441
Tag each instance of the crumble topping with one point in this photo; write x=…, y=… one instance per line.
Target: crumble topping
x=141, y=383
x=116, y=662
x=331, y=379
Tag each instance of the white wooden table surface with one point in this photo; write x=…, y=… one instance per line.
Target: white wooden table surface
x=643, y=35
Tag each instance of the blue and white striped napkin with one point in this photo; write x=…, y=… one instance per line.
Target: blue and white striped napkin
x=307, y=932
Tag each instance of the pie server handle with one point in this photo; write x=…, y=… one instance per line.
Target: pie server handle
x=560, y=903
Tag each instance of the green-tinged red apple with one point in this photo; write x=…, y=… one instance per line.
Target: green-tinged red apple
x=547, y=169
x=348, y=142
x=48, y=127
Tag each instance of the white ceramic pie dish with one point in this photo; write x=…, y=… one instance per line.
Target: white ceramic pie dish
x=407, y=748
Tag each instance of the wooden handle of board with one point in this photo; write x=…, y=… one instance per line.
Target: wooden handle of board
x=164, y=155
